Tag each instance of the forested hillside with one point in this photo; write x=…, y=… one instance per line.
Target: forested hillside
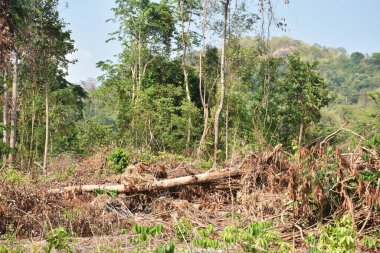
x=202, y=133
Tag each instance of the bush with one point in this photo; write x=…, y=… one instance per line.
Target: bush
x=118, y=160
x=183, y=229
x=338, y=237
x=58, y=239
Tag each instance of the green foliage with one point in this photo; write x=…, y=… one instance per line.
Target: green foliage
x=110, y=193
x=373, y=142
x=372, y=242
x=305, y=93
x=118, y=160
x=370, y=176
x=203, y=238
x=58, y=239
x=231, y=234
x=165, y=248
x=183, y=229
x=256, y=238
x=339, y=237
x=13, y=176
x=91, y=134
x=12, y=249
x=145, y=231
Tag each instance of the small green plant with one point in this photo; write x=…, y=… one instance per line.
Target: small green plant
x=371, y=242
x=232, y=234
x=58, y=239
x=110, y=193
x=15, y=177
x=11, y=249
x=118, y=160
x=71, y=215
x=165, y=248
x=183, y=229
x=236, y=216
x=258, y=237
x=337, y=238
x=10, y=242
x=205, y=164
x=145, y=231
x=204, y=239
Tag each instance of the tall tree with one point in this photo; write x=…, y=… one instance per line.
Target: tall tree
x=187, y=11
x=6, y=47
x=305, y=94
x=202, y=86
x=226, y=6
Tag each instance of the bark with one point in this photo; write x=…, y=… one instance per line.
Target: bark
x=30, y=161
x=13, y=136
x=202, y=91
x=139, y=64
x=5, y=115
x=227, y=132
x=222, y=82
x=205, y=130
x=300, y=134
x=46, y=127
x=207, y=177
x=184, y=63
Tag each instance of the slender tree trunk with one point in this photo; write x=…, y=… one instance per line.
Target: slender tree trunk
x=227, y=131
x=46, y=126
x=205, y=130
x=184, y=43
x=139, y=64
x=300, y=134
x=13, y=137
x=222, y=82
x=5, y=115
x=202, y=91
x=30, y=160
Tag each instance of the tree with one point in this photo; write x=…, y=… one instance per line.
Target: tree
x=226, y=6
x=187, y=10
x=357, y=57
x=146, y=29
x=305, y=94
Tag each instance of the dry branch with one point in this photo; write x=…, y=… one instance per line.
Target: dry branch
x=207, y=177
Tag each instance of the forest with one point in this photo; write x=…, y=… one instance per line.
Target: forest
x=205, y=134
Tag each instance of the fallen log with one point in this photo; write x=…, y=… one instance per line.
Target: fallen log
x=202, y=178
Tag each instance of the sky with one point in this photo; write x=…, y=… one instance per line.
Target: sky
x=352, y=24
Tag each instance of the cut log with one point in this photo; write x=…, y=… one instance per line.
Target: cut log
x=207, y=177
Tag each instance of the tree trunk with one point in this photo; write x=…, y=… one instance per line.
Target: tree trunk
x=157, y=185
x=46, y=127
x=222, y=82
x=139, y=64
x=205, y=130
x=5, y=115
x=227, y=131
x=30, y=160
x=300, y=134
x=184, y=43
x=202, y=92
x=13, y=137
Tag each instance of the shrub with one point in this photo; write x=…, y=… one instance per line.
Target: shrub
x=183, y=229
x=337, y=238
x=58, y=239
x=118, y=160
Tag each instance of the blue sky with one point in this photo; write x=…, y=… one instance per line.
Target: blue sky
x=352, y=24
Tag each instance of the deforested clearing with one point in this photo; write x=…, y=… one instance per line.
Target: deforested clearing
x=186, y=126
